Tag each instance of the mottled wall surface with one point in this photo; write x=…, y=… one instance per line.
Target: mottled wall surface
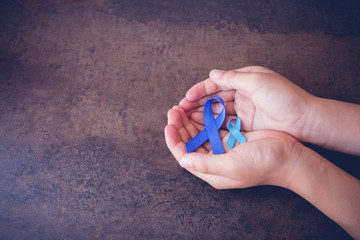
x=84, y=91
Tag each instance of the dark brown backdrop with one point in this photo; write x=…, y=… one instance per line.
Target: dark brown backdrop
x=84, y=91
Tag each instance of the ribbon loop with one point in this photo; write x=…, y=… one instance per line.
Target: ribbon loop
x=235, y=133
x=211, y=129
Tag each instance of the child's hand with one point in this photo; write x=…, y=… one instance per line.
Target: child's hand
x=268, y=157
x=261, y=98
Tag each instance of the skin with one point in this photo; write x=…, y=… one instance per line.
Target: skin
x=266, y=100
x=276, y=115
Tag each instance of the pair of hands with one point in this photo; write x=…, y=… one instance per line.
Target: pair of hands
x=274, y=114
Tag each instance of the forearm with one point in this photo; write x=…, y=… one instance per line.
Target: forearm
x=334, y=125
x=330, y=189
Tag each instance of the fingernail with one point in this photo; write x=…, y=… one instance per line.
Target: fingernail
x=186, y=163
x=216, y=74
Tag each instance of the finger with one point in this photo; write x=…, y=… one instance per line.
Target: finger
x=174, y=142
x=226, y=164
x=214, y=164
x=202, y=89
x=198, y=125
x=212, y=173
x=187, y=105
x=209, y=87
x=198, y=117
x=217, y=108
x=234, y=169
x=178, y=150
x=250, y=69
x=189, y=127
x=219, y=172
x=174, y=119
x=245, y=82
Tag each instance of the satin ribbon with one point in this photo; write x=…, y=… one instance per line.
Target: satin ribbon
x=235, y=133
x=211, y=129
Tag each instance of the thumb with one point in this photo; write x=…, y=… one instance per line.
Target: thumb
x=216, y=164
x=247, y=82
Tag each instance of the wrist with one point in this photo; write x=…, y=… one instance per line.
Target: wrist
x=307, y=173
x=313, y=128
x=332, y=124
x=328, y=188
x=282, y=174
x=296, y=160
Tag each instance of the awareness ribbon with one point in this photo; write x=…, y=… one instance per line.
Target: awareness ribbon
x=211, y=129
x=235, y=133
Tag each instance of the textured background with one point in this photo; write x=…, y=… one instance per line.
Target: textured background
x=84, y=91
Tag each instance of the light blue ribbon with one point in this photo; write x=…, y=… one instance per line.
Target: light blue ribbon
x=235, y=133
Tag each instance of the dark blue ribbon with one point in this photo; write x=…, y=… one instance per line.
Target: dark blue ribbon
x=235, y=133
x=211, y=129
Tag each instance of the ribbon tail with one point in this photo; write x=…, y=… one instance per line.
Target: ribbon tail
x=217, y=146
x=214, y=139
x=231, y=141
x=242, y=138
x=196, y=142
